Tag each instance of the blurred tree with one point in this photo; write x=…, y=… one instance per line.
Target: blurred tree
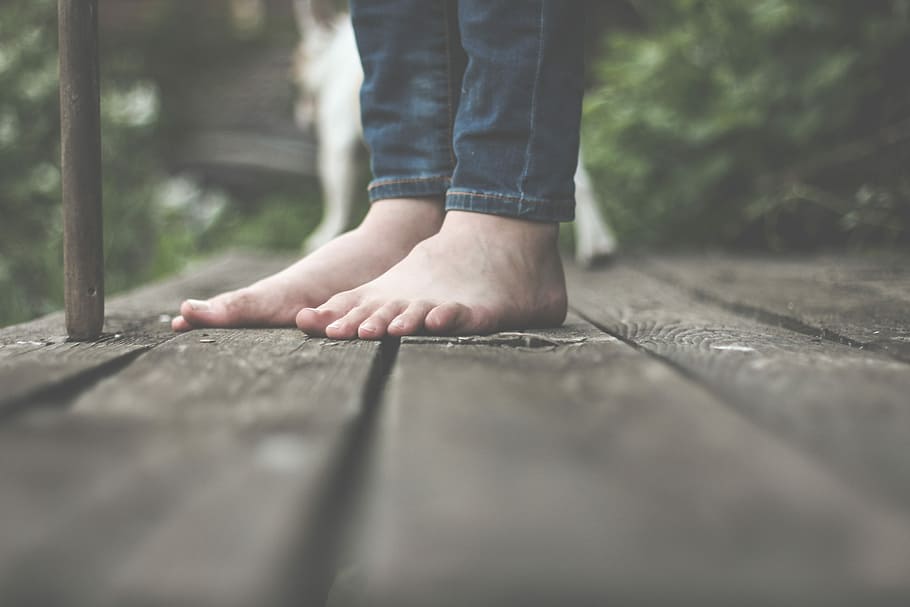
x=154, y=221
x=142, y=235
x=29, y=174
x=773, y=123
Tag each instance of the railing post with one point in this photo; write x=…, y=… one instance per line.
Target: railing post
x=80, y=125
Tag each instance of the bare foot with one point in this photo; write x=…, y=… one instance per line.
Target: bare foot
x=389, y=231
x=479, y=274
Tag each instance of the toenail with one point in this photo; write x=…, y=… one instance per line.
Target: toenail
x=198, y=305
x=398, y=323
x=368, y=328
x=335, y=325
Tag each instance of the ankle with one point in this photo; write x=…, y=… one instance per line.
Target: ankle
x=418, y=216
x=511, y=229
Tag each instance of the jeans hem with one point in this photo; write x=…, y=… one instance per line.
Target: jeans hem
x=415, y=187
x=510, y=206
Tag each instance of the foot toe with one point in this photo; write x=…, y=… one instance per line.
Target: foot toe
x=448, y=318
x=315, y=321
x=227, y=309
x=180, y=325
x=411, y=321
x=196, y=311
x=377, y=325
x=245, y=307
x=348, y=325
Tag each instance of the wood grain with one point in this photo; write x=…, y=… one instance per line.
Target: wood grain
x=277, y=378
x=578, y=471
x=846, y=405
x=203, y=474
x=121, y=514
x=863, y=300
x=714, y=458
x=36, y=359
x=210, y=471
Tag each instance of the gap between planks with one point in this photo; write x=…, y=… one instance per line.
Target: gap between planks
x=187, y=488
x=38, y=365
x=588, y=472
x=251, y=504
x=845, y=406
x=862, y=302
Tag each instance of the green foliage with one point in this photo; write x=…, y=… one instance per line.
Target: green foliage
x=31, y=232
x=153, y=222
x=29, y=170
x=772, y=123
x=275, y=222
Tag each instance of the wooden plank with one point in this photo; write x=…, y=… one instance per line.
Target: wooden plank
x=575, y=470
x=76, y=497
x=228, y=489
x=32, y=371
x=275, y=378
x=80, y=127
x=860, y=300
x=847, y=405
x=115, y=515
x=36, y=359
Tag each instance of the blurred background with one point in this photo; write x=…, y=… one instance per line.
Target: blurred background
x=748, y=125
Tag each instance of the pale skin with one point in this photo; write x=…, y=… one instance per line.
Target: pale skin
x=408, y=269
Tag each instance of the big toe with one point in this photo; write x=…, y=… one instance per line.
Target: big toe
x=314, y=321
x=450, y=318
x=235, y=309
x=203, y=313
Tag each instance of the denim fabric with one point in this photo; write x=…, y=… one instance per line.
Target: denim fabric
x=477, y=101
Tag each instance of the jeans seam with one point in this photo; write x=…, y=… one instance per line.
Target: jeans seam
x=385, y=182
x=497, y=205
x=534, y=100
x=521, y=200
x=449, y=73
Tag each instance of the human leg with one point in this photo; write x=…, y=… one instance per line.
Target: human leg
x=413, y=68
x=408, y=109
x=494, y=264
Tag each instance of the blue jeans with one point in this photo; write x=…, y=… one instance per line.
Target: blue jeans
x=476, y=101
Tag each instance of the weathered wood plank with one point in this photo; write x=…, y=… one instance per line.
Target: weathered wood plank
x=240, y=441
x=105, y=514
x=576, y=470
x=39, y=370
x=35, y=357
x=277, y=378
x=862, y=300
x=75, y=497
x=847, y=405
x=213, y=472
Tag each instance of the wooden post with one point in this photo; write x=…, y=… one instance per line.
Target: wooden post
x=80, y=125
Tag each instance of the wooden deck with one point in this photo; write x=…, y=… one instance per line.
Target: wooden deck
x=704, y=430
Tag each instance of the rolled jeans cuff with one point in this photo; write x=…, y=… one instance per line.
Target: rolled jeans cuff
x=413, y=187
x=510, y=206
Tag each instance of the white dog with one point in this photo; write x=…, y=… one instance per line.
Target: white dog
x=328, y=73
